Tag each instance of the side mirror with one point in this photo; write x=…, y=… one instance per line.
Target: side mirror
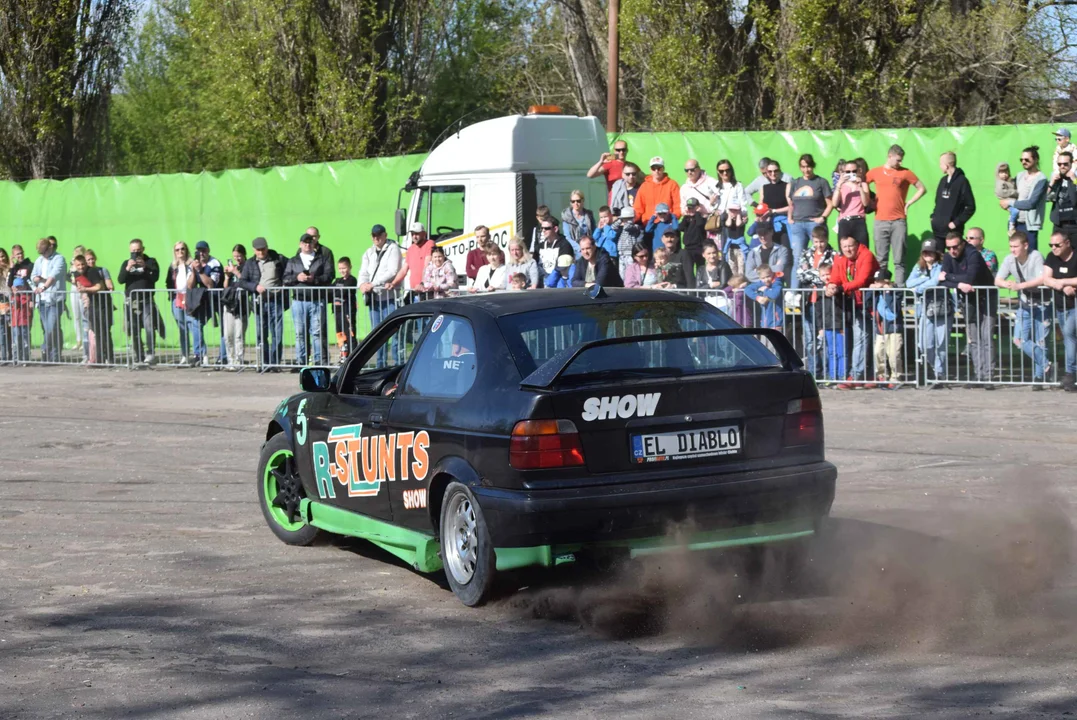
x=314, y=379
x=401, y=221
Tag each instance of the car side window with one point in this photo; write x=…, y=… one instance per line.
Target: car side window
x=445, y=364
x=377, y=367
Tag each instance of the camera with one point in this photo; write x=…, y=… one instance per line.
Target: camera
x=135, y=256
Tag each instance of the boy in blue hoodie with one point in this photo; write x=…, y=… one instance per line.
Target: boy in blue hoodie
x=562, y=275
x=766, y=292
x=659, y=223
x=889, y=338
x=605, y=236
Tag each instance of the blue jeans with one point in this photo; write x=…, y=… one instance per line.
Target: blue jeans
x=799, y=238
x=190, y=329
x=53, y=342
x=307, y=318
x=378, y=312
x=934, y=341
x=271, y=329
x=1067, y=320
x=20, y=338
x=861, y=338
x=1032, y=235
x=835, y=354
x=812, y=345
x=5, y=338
x=1030, y=334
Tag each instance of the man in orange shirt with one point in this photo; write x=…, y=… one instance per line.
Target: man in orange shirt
x=891, y=209
x=657, y=188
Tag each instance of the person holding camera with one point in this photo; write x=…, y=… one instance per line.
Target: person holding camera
x=204, y=272
x=379, y=277
x=852, y=198
x=140, y=272
x=1063, y=197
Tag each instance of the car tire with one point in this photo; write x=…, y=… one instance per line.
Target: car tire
x=278, y=479
x=467, y=552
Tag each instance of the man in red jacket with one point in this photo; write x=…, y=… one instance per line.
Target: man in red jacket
x=852, y=272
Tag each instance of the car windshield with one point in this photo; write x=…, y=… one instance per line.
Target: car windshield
x=534, y=337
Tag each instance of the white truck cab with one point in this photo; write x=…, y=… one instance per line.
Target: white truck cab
x=496, y=173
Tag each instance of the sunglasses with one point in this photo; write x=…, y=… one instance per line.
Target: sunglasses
x=547, y=227
x=1055, y=245
x=691, y=169
x=953, y=247
x=576, y=200
x=724, y=171
x=1064, y=164
x=617, y=149
x=1026, y=160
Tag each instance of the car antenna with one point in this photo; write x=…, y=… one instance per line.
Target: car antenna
x=596, y=292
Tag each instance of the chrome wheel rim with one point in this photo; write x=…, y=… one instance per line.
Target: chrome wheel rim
x=460, y=539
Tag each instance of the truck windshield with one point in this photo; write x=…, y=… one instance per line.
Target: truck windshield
x=534, y=337
x=441, y=209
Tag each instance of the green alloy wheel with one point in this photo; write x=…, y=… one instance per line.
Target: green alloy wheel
x=279, y=492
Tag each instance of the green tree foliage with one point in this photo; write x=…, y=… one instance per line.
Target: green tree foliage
x=59, y=60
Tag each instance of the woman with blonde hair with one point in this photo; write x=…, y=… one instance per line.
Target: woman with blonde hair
x=520, y=261
x=176, y=282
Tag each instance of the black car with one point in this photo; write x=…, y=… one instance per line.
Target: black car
x=507, y=430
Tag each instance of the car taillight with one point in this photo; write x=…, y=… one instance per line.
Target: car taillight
x=539, y=444
x=804, y=421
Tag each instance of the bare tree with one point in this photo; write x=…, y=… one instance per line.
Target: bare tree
x=59, y=61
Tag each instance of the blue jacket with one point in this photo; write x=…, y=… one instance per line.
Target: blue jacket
x=606, y=239
x=769, y=315
x=926, y=285
x=883, y=305
x=556, y=280
x=655, y=229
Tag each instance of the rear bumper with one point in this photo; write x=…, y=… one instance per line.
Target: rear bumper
x=527, y=518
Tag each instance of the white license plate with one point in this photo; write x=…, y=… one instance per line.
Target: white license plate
x=685, y=444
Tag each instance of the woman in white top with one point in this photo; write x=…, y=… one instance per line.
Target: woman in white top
x=494, y=275
x=176, y=282
x=732, y=200
x=520, y=261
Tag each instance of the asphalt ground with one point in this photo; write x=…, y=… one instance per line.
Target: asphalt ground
x=139, y=579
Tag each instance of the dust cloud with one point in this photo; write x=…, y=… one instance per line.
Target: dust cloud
x=982, y=582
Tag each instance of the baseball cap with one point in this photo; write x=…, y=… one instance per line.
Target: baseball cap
x=201, y=245
x=928, y=246
x=761, y=209
x=306, y=238
x=377, y=230
x=691, y=202
x=661, y=208
x=564, y=261
x=1063, y=132
x=657, y=161
x=882, y=274
x=627, y=213
x=259, y=243
x=416, y=227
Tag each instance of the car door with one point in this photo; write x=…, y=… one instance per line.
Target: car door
x=354, y=454
x=427, y=411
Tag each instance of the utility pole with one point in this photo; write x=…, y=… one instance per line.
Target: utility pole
x=611, y=72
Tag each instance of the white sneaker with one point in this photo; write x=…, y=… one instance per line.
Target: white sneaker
x=205, y=361
x=792, y=299
x=184, y=362
x=150, y=360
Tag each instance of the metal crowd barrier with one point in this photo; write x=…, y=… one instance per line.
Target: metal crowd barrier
x=894, y=337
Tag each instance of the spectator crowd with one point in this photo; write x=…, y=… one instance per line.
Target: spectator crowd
x=767, y=244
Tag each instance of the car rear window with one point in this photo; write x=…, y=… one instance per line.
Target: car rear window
x=534, y=337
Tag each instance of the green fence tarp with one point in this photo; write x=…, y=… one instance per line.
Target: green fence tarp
x=345, y=198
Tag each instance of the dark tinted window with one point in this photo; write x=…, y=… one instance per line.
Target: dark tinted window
x=534, y=337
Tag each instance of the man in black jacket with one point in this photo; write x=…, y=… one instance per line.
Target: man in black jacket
x=1063, y=196
x=680, y=262
x=595, y=266
x=140, y=272
x=693, y=228
x=954, y=203
x=263, y=276
x=963, y=269
x=310, y=271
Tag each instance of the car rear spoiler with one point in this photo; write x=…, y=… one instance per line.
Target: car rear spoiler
x=548, y=373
